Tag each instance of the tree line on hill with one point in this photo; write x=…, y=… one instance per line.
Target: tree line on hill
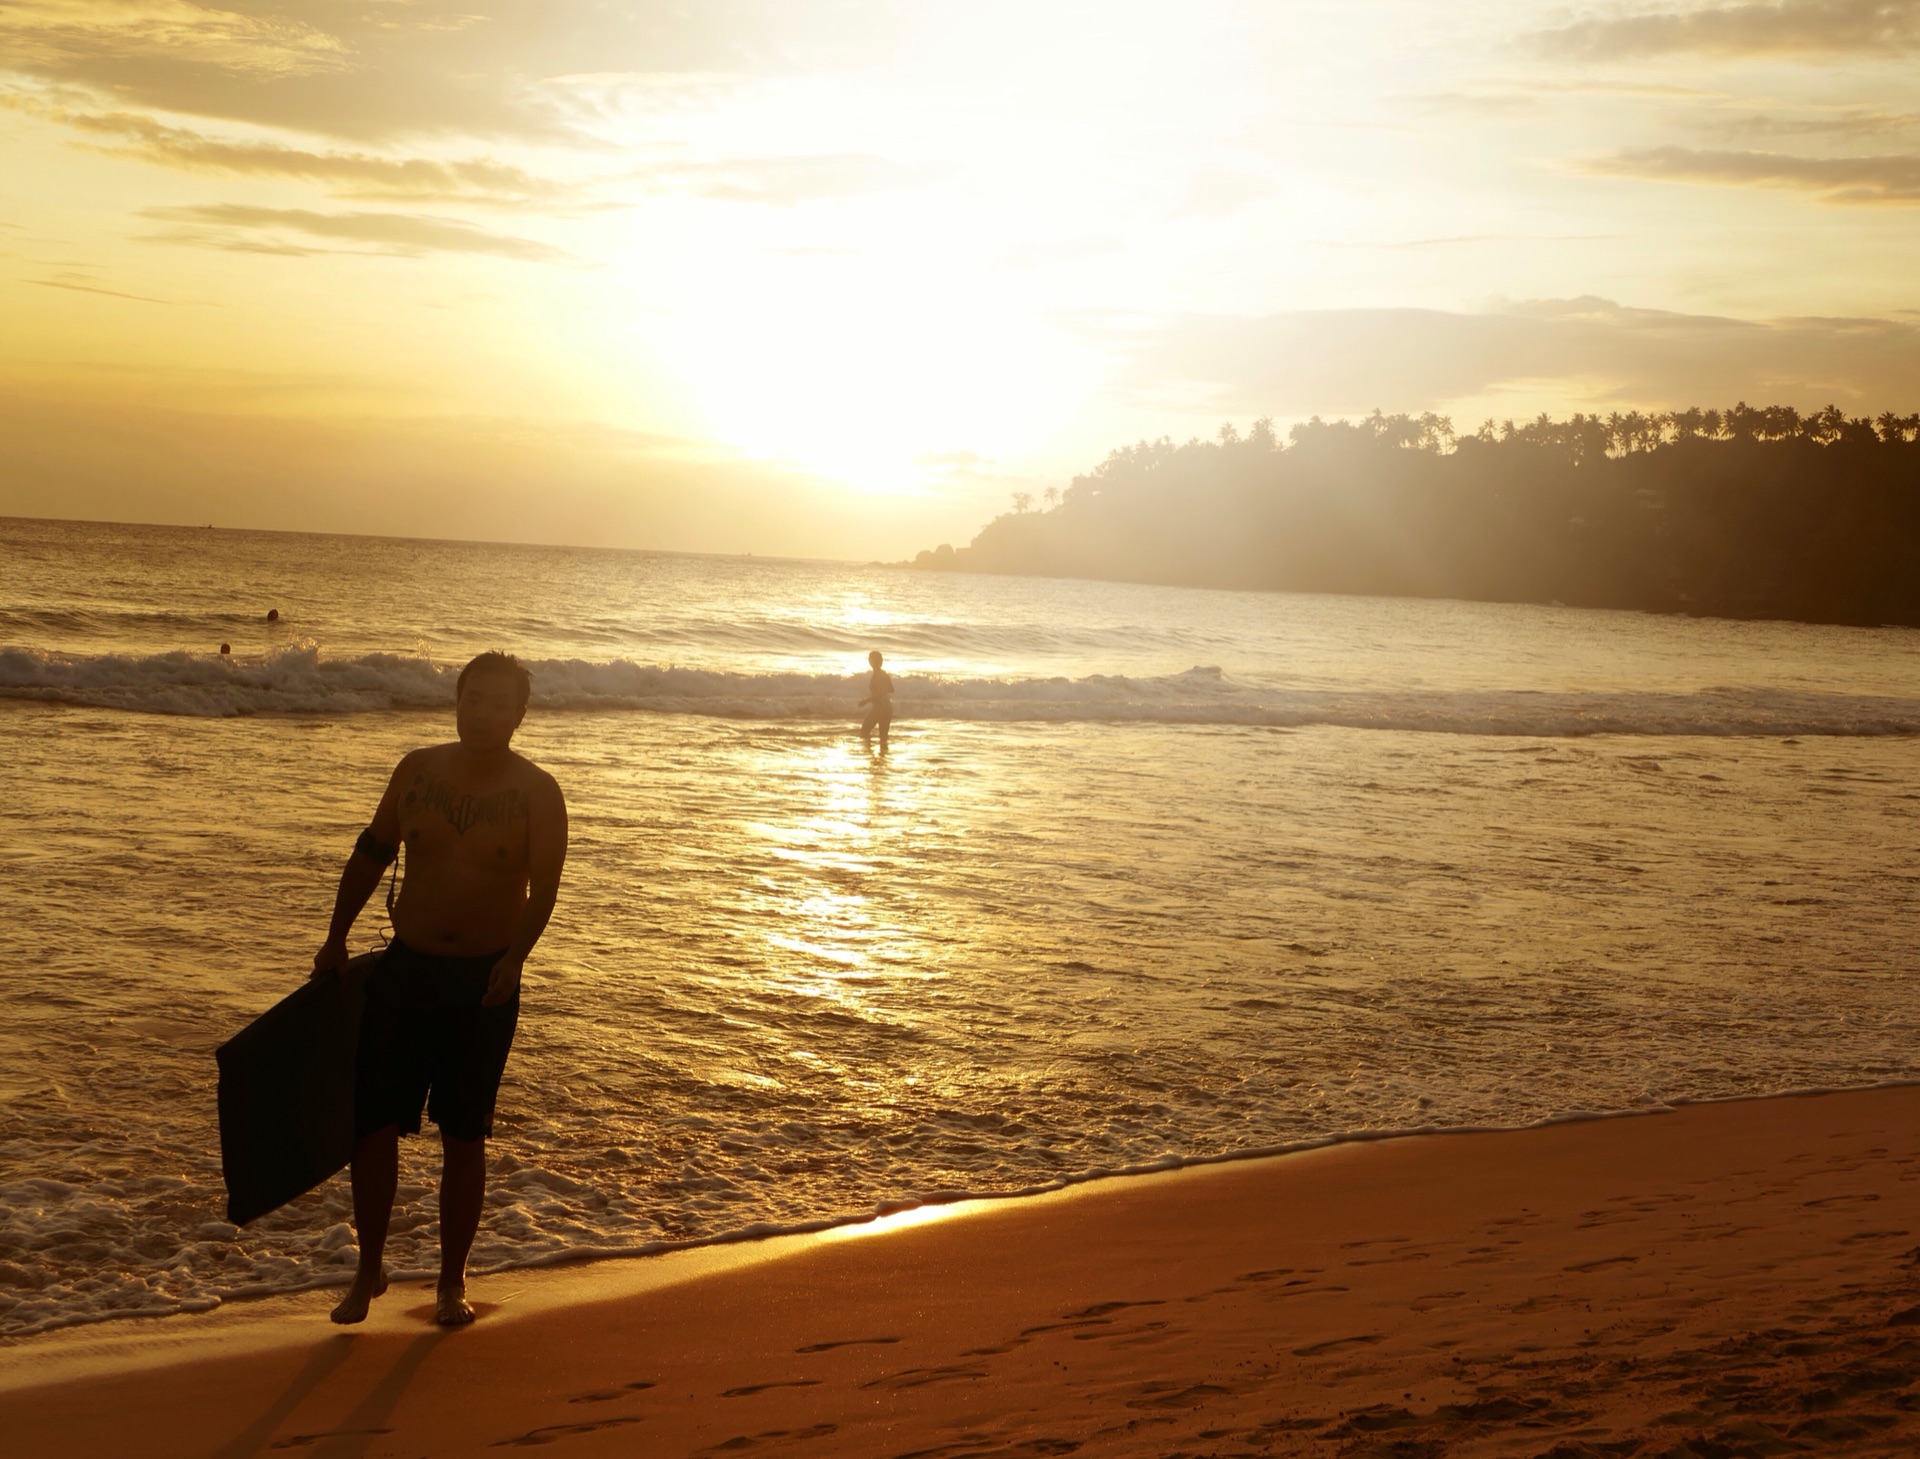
x=1745, y=513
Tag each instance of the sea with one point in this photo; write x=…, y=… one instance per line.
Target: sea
x=1147, y=876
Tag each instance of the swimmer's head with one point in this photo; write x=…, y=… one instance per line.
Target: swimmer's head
x=874, y=658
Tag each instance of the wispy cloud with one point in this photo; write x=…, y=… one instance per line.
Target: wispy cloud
x=1839, y=122
x=381, y=71
x=1769, y=27
x=1890, y=179
x=773, y=180
x=239, y=228
x=50, y=35
x=1342, y=361
x=85, y=284
x=352, y=174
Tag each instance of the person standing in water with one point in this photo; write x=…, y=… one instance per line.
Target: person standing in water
x=879, y=702
x=486, y=836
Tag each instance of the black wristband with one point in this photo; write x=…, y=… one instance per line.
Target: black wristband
x=374, y=849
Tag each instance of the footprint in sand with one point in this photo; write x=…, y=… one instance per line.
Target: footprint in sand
x=921, y=1377
x=1101, y=1309
x=846, y=1342
x=747, y=1441
x=604, y=1395
x=535, y=1437
x=1315, y=1349
x=300, y=1441
x=1166, y=1395
x=1605, y=1261
x=1119, y=1335
x=753, y=1388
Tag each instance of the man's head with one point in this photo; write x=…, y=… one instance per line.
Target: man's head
x=874, y=658
x=490, y=700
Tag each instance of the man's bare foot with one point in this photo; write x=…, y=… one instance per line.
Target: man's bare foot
x=450, y=1307
x=353, y=1307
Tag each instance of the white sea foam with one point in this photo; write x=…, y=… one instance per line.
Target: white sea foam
x=301, y=679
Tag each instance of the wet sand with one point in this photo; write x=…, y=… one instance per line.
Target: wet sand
x=1723, y=1280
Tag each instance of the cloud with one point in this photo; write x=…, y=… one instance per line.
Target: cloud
x=42, y=34
x=1889, y=179
x=1841, y=122
x=84, y=284
x=354, y=174
x=1788, y=27
x=427, y=67
x=1338, y=362
x=239, y=228
x=776, y=180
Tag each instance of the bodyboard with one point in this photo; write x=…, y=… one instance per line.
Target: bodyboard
x=286, y=1093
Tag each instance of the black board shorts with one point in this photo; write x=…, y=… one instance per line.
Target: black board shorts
x=426, y=1041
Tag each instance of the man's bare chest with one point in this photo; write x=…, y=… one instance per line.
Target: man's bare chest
x=444, y=818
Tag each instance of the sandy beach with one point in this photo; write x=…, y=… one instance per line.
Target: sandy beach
x=1725, y=1279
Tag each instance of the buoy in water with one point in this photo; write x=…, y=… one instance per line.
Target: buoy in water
x=273, y=615
x=226, y=648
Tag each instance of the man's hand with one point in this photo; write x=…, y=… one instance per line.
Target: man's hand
x=331, y=958
x=504, y=982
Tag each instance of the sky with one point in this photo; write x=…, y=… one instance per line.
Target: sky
x=838, y=278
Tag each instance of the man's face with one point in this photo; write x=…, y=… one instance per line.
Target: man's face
x=489, y=711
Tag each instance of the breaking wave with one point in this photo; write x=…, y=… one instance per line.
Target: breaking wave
x=301, y=680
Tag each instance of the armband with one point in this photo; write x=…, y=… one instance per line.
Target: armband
x=374, y=849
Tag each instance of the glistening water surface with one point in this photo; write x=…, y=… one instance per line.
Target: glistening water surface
x=789, y=982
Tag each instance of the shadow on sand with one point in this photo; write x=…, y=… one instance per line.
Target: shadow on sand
x=350, y=1438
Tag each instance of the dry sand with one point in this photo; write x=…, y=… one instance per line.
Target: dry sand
x=1734, y=1279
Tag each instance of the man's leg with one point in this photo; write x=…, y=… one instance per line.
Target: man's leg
x=463, y=1190
x=376, y=1174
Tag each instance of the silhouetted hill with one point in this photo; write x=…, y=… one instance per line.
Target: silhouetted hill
x=1742, y=513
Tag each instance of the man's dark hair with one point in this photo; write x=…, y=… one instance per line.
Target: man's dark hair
x=495, y=662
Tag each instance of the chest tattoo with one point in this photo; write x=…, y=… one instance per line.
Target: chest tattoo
x=463, y=811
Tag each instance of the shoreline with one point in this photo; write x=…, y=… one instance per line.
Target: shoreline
x=938, y=1201
x=1742, y=1271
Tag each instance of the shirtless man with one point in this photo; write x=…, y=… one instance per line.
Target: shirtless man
x=486, y=835
x=879, y=702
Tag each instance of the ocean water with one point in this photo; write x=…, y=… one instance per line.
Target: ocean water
x=1149, y=875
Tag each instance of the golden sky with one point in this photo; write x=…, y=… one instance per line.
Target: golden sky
x=836, y=277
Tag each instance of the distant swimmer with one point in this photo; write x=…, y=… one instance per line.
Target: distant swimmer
x=273, y=615
x=486, y=837
x=226, y=648
x=879, y=702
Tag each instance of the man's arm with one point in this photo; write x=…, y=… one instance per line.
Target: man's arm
x=546, y=855
x=373, y=853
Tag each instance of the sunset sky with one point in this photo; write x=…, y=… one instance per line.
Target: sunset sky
x=836, y=278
